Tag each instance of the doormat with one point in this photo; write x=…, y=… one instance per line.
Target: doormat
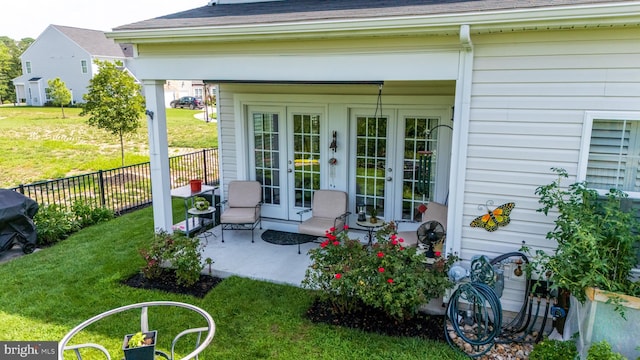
x=286, y=238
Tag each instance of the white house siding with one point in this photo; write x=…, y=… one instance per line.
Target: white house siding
x=529, y=95
x=53, y=53
x=336, y=98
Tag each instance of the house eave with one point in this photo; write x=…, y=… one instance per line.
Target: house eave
x=549, y=18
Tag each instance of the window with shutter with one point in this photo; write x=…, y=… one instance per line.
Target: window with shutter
x=614, y=155
x=610, y=156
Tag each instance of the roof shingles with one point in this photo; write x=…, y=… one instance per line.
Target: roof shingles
x=291, y=11
x=93, y=41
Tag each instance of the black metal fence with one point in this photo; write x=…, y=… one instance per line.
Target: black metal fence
x=123, y=189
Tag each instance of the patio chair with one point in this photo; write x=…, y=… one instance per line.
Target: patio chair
x=328, y=209
x=242, y=207
x=435, y=211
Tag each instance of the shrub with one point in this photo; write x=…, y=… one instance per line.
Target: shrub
x=554, y=350
x=54, y=224
x=387, y=276
x=596, y=239
x=87, y=215
x=182, y=253
x=602, y=351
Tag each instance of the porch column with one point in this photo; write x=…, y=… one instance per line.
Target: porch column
x=158, y=155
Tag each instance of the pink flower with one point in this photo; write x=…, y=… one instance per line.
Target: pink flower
x=381, y=269
x=394, y=242
x=346, y=227
x=380, y=254
x=338, y=276
x=332, y=229
x=324, y=243
x=336, y=243
x=393, y=236
x=401, y=239
x=331, y=237
x=390, y=281
x=438, y=253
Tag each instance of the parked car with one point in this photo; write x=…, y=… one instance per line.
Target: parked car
x=187, y=102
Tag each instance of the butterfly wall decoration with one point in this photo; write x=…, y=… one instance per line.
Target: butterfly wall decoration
x=494, y=218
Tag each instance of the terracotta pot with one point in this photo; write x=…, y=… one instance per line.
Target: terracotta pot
x=196, y=185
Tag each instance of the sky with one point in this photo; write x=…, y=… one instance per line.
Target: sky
x=29, y=18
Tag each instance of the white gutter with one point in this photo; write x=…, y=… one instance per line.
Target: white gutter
x=459, y=152
x=524, y=19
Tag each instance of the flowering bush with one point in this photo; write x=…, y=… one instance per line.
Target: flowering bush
x=387, y=276
x=184, y=254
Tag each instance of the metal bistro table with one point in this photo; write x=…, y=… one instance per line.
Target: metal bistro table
x=200, y=344
x=202, y=215
x=370, y=227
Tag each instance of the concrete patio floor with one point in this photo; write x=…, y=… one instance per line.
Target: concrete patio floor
x=260, y=260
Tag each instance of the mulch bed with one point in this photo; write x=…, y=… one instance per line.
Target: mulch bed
x=167, y=282
x=365, y=318
x=372, y=320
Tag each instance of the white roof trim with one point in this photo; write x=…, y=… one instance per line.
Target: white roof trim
x=522, y=19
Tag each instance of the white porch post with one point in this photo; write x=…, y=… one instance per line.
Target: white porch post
x=158, y=155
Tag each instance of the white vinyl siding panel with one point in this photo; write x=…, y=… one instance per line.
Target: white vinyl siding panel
x=227, y=136
x=529, y=95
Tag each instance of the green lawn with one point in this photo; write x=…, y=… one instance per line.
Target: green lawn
x=36, y=143
x=47, y=293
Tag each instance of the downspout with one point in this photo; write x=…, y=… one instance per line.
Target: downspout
x=460, y=142
x=219, y=127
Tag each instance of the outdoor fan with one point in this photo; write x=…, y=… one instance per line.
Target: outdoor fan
x=430, y=233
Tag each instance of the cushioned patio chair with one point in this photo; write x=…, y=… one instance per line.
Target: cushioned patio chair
x=435, y=211
x=242, y=207
x=328, y=209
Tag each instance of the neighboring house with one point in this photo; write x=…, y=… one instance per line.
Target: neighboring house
x=67, y=53
x=175, y=89
x=499, y=90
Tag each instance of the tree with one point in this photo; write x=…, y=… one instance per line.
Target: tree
x=5, y=70
x=59, y=93
x=114, y=101
x=12, y=68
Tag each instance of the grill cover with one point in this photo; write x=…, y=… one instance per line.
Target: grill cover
x=16, y=218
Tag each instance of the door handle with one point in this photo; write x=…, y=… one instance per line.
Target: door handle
x=289, y=170
x=389, y=178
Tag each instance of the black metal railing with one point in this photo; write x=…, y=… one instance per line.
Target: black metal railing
x=126, y=188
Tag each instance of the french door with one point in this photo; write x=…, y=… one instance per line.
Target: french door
x=401, y=160
x=286, y=143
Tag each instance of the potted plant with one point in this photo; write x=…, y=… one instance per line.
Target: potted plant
x=200, y=203
x=374, y=215
x=597, y=242
x=140, y=346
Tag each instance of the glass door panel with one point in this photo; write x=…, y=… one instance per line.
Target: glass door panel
x=371, y=162
x=419, y=164
x=266, y=133
x=306, y=159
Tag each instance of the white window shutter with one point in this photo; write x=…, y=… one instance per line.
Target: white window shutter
x=614, y=155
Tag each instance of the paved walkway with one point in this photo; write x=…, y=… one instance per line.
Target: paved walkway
x=12, y=253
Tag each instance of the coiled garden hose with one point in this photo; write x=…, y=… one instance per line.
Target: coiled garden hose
x=483, y=317
x=474, y=312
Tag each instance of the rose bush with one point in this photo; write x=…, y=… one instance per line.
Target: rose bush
x=388, y=276
x=182, y=253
